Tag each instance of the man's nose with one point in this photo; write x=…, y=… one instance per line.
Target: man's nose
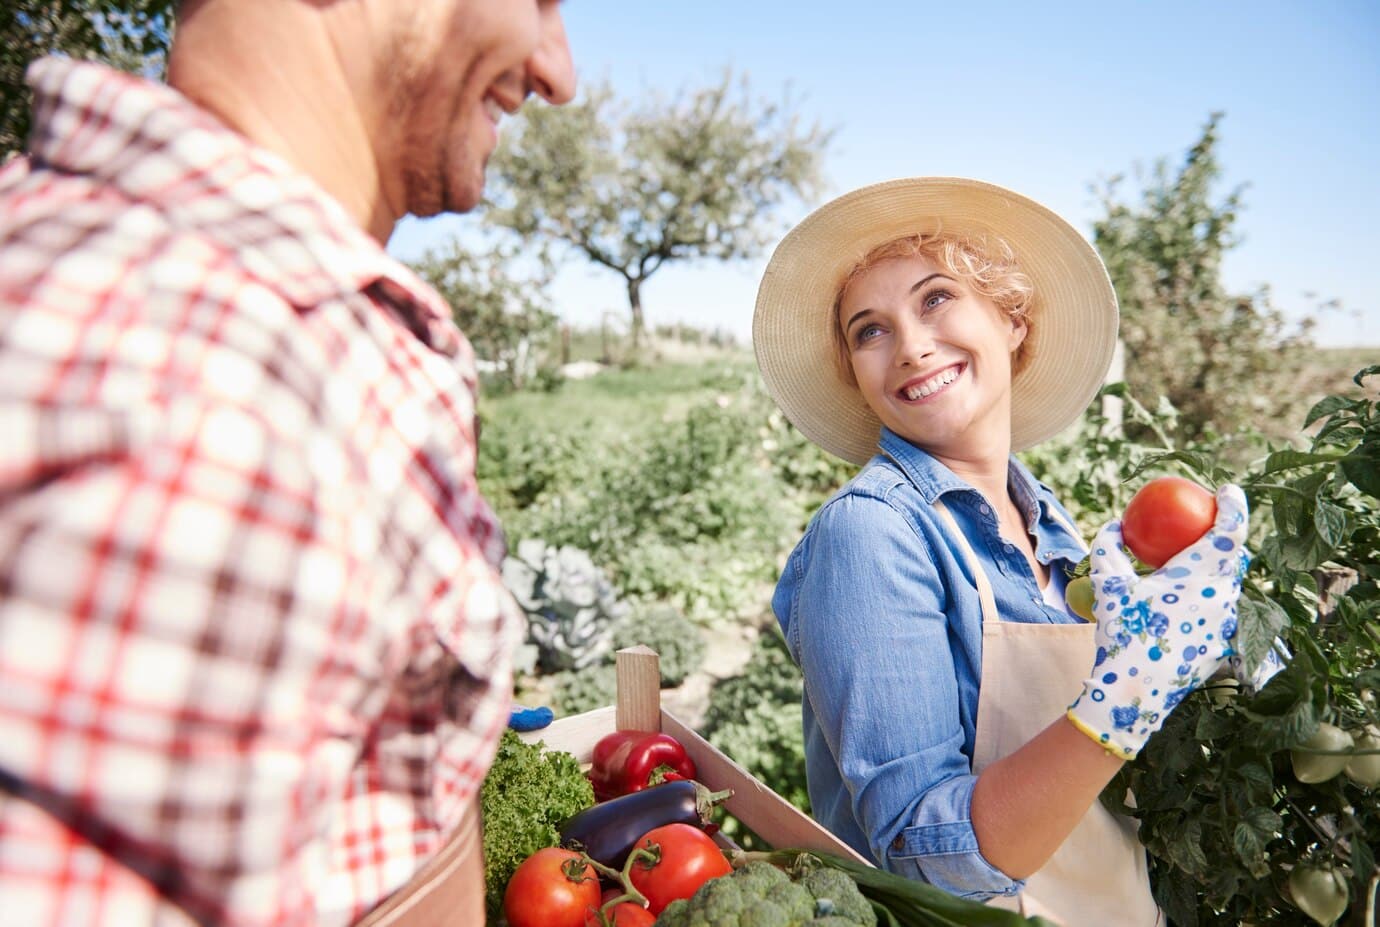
x=550, y=70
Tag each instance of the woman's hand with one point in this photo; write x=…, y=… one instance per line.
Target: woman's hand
x=1160, y=636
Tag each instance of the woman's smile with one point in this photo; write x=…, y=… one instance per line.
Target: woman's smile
x=922, y=389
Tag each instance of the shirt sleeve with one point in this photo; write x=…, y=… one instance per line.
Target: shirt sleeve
x=179, y=647
x=872, y=638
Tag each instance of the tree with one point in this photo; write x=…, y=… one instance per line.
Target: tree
x=1222, y=359
x=132, y=35
x=634, y=189
x=503, y=316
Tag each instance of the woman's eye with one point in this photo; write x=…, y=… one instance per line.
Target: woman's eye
x=867, y=333
x=937, y=298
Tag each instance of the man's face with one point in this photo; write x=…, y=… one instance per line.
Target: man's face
x=452, y=70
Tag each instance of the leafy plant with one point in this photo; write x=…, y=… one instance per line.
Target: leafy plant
x=1226, y=808
x=571, y=606
x=755, y=718
x=678, y=641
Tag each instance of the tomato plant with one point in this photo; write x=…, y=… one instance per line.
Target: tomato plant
x=551, y=888
x=1224, y=819
x=1166, y=515
x=685, y=858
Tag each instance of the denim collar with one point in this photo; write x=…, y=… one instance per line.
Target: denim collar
x=932, y=479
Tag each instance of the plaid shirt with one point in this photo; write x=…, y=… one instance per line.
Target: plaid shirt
x=255, y=652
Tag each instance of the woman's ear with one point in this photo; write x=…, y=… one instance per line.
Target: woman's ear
x=1019, y=329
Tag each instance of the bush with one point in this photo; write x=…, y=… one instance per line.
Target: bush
x=755, y=718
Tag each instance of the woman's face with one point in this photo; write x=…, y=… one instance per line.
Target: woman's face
x=932, y=356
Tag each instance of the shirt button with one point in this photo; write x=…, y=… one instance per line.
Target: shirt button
x=985, y=509
x=898, y=844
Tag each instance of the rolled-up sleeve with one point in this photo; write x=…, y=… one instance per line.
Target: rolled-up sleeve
x=868, y=626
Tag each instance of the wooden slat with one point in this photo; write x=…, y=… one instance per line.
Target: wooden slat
x=639, y=689
x=770, y=816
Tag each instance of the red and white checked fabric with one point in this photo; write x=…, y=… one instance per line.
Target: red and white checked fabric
x=255, y=653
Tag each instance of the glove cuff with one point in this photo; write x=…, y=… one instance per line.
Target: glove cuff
x=1122, y=744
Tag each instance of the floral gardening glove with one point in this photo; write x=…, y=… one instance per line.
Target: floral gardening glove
x=1160, y=636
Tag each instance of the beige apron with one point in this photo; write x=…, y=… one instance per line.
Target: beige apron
x=446, y=892
x=1031, y=673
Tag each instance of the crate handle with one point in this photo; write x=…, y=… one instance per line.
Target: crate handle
x=638, y=705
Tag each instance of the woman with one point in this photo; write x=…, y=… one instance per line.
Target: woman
x=959, y=721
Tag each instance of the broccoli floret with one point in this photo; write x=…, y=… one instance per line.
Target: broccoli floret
x=720, y=900
x=675, y=914
x=795, y=899
x=760, y=895
x=764, y=913
x=757, y=878
x=837, y=894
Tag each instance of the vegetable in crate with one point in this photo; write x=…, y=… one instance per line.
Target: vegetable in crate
x=551, y=888
x=528, y=792
x=672, y=862
x=609, y=830
x=893, y=900
x=628, y=761
x=760, y=895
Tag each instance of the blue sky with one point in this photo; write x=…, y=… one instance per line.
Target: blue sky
x=1047, y=99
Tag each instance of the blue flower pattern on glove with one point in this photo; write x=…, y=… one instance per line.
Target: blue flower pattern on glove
x=1160, y=636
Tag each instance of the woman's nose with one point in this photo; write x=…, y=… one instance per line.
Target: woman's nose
x=914, y=342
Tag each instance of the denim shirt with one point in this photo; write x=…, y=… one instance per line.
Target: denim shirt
x=880, y=610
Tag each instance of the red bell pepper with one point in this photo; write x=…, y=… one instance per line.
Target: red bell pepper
x=629, y=761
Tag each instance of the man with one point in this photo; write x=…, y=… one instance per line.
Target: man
x=254, y=647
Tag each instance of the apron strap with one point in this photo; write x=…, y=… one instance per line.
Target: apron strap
x=984, y=587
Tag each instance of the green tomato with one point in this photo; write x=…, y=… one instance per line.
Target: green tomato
x=1320, y=893
x=1318, y=767
x=1365, y=770
x=1078, y=594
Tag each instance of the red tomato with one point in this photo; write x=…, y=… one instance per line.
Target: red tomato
x=551, y=888
x=689, y=858
x=1165, y=516
x=623, y=914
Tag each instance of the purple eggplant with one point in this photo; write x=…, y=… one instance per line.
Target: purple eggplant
x=609, y=830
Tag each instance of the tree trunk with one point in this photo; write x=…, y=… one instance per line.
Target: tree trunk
x=635, y=301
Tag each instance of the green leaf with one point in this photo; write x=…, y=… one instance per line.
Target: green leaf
x=1291, y=460
x=1248, y=844
x=1256, y=774
x=1362, y=468
x=1329, y=405
x=1331, y=523
x=1259, y=621
x=1265, y=820
x=1365, y=372
x=1212, y=725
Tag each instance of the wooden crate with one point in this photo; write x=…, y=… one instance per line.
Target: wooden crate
x=638, y=708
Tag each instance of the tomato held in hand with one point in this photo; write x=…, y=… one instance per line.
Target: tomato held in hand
x=1079, y=597
x=688, y=858
x=1166, y=515
x=552, y=888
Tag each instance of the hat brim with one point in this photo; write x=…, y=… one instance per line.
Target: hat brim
x=1073, y=312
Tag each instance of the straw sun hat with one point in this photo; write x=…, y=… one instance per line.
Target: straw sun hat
x=1073, y=311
